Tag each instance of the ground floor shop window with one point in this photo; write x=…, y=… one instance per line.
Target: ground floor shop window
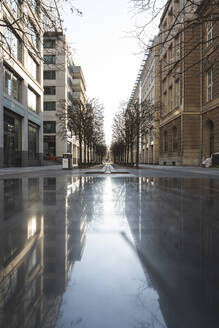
x=12, y=139
x=49, y=146
x=33, y=142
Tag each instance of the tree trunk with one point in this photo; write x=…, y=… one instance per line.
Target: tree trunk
x=80, y=151
x=127, y=154
x=85, y=149
x=88, y=154
x=137, y=150
x=132, y=161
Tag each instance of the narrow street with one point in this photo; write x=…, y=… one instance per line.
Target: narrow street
x=109, y=247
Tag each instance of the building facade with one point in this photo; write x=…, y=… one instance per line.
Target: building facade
x=21, y=87
x=63, y=82
x=209, y=71
x=180, y=87
x=150, y=92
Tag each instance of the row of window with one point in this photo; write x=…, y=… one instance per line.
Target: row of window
x=14, y=45
x=171, y=97
x=13, y=88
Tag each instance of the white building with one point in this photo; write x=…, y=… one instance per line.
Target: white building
x=63, y=81
x=21, y=87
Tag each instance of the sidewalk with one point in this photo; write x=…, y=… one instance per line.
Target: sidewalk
x=187, y=169
x=19, y=170
x=29, y=169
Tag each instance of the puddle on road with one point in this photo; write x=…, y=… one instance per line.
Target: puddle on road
x=125, y=252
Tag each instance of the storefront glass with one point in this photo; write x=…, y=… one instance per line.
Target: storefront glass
x=49, y=146
x=33, y=136
x=12, y=140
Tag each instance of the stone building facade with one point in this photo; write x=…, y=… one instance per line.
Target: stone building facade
x=21, y=87
x=150, y=91
x=180, y=88
x=209, y=71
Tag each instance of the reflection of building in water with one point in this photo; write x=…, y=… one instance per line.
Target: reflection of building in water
x=64, y=232
x=34, y=270
x=176, y=231
x=21, y=250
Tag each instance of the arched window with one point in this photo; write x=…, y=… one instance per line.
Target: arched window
x=175, y=139
x=165, y=141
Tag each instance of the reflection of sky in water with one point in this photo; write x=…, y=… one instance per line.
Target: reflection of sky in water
x=108, y=287
x=44, y=225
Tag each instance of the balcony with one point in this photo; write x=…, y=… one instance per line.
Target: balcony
x=78, y=75
x=78, y=85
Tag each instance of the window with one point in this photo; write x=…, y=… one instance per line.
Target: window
x=49, y=126
x=32, y=34
x=178, y=47
x=32, y=67
x=33, y=136
x=164, y=63
x=209, y=85
x=49, y=105
x=177, y=93
x=49, y=75
x=209, y=31
x=170, y=98
x=32, y=100
x=49, y=44
x=49, y=59
x=165, y=105
x=165, y=142
x=49, y=146
x=12, y=84
x=171, y=54
x=49, y=90
x=175, y=141
x=13, y=43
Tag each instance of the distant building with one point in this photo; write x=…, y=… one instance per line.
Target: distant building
x=150, y=92
x=147, y=90
x=21, y=92
x=63, y=82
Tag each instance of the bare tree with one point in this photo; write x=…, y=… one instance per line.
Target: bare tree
x=129, y=128
x=70, y=122
x=185, y=17
x=85, y=122
x=16, y=25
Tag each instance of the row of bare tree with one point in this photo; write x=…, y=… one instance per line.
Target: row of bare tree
x=129, y=127
x=85, y=122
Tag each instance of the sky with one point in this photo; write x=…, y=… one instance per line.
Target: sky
x=102, y=45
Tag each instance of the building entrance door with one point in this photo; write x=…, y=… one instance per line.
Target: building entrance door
x=12, y=140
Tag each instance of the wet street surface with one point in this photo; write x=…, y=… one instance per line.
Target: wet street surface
x=109, y=250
